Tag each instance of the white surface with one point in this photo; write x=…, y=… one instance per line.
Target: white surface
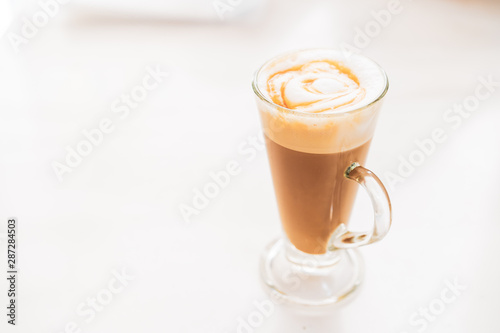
x=120, y=208
x=5, y=16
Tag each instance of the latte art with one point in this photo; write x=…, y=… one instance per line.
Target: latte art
x=316, y=86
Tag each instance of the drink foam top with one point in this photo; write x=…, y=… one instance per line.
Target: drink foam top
x=321, y=81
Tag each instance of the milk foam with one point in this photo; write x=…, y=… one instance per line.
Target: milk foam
x=331, y=98
x=321, y=81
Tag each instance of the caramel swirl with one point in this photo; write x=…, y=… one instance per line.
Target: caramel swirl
x=316, y=86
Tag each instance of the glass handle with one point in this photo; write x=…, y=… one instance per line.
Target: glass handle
x=343, y=238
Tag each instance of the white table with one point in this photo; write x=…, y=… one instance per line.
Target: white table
x=119, y=208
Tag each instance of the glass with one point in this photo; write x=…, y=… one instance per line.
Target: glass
x=316, y=164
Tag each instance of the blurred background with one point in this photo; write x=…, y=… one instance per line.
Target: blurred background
x=115, y=114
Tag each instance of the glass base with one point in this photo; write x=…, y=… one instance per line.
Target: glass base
x=294, y=277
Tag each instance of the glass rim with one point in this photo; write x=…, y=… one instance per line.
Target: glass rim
x=262, y=97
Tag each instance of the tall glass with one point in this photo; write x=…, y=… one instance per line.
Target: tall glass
x=316, y=164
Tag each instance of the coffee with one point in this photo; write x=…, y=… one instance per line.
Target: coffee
x=313, y=195
x=318, y=120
